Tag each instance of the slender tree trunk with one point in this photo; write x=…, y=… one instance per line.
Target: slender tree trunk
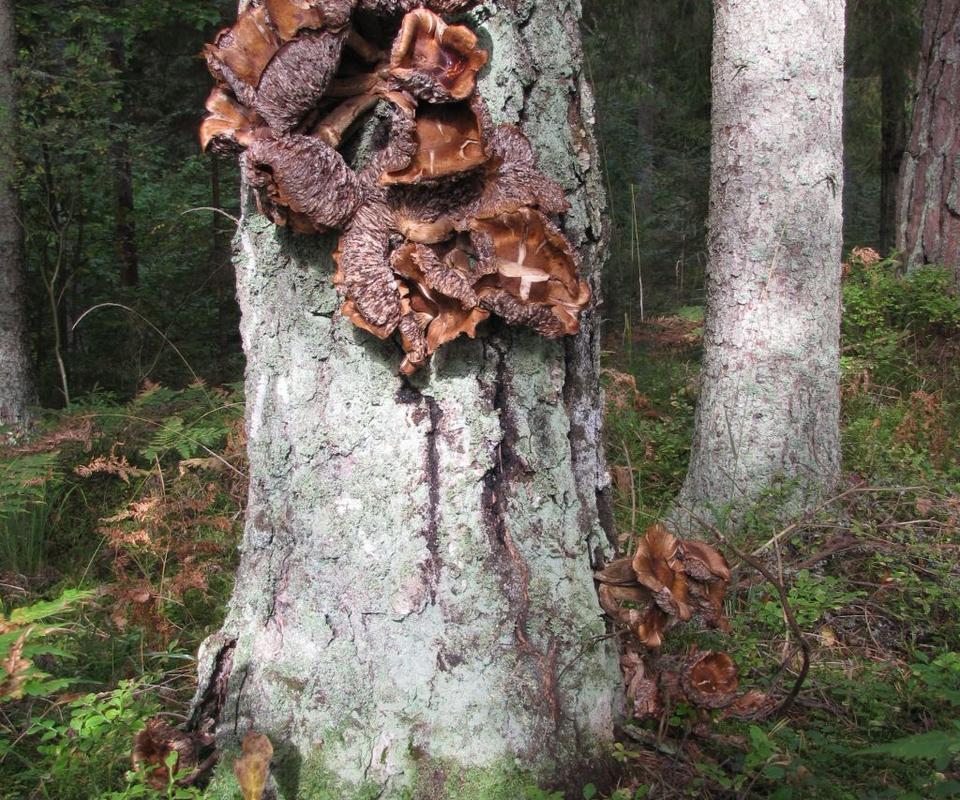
x=17, y=391
x=124, y=224
x=769, y=400
x=414, y=613
x=893, y=136
x=929, y=199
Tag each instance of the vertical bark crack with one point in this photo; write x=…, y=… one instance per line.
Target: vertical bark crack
x=511, y=563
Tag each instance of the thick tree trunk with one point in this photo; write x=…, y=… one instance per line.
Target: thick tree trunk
x=16, y=379
x=769, y=400
x=929, y=198
x=893, y=142
x=414, y=612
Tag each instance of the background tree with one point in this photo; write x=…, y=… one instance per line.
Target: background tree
x=769, y=398
x=929, y=200
x=415, y=600
x=16, y=381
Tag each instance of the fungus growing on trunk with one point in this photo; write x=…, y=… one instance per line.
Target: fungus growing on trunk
x=446, y=224
x=303, y=175
x=253, y=766
x=229, y=126
x=449, y=141
x=434, y=61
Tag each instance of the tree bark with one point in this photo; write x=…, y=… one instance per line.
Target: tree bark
x=769, y=399
x=414, y=613
x=929, y=197
x=124, y=220
x=17, y=391
x=893, y=142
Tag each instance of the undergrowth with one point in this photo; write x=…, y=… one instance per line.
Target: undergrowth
x=119, y=524
x=872, y=578
x=118, y=532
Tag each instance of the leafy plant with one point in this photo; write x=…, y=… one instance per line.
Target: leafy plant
x=22, y=641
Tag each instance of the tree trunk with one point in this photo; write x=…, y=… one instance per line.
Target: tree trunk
x=414, y=613
x=769, y=399
x=893, y=142
x=17, y=391
x=929, y=198
x=124, y=222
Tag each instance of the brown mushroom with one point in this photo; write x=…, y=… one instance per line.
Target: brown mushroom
x=434, y=61
x=297, y=77
x=363, y=270
x=437, y=297
x=642, y=690
x=253, y=766
x=708, y=575
x=240, y=54
x=289, y=17
x=659, y=568
x=307, y=177
x=710, y=679
x=448, y=141
x=398, y=6
x=513, y=179
x=535, y=264
x=228, y=126
x=152, y=747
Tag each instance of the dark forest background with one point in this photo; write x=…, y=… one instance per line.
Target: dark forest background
x=119, y=206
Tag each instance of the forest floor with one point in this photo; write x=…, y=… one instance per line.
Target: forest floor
x=119, y=524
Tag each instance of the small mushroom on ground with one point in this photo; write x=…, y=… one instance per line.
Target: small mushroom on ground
x=710, y=679
x=152, y=748
x=434, y=61
x=658, y=567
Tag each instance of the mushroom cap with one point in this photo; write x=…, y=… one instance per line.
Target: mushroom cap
x=702, y=562
x=618, y=573
x=228, y=125
x=513, y=180
x=243, y=50
x=435, y=61
x=304, y=175
x=533, y=261
x=449, y=141
x=658, y=567
x=437, y=294
x=253, y=766
x=289, y=17
x=297, y=76
x=363, y=269
x=710, y=679
x=153, y=745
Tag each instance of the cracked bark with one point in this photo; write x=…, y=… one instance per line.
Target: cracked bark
x=415, y=591
x=929, y=196
x=769, y=399
x=16, y=378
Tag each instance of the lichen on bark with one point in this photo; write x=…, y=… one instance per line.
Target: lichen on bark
x=415, y=587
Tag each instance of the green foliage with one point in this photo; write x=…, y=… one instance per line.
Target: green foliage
x=30, y=486
x=23, y=642
x=82, y=752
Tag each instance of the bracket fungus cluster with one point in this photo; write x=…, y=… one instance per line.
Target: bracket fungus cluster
x=449, y=221
x=666, y=581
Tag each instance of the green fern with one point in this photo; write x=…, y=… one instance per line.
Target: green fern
x=185, y=439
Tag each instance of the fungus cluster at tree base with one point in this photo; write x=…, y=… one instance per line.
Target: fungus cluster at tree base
x=665, y=582
x=449, y=221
